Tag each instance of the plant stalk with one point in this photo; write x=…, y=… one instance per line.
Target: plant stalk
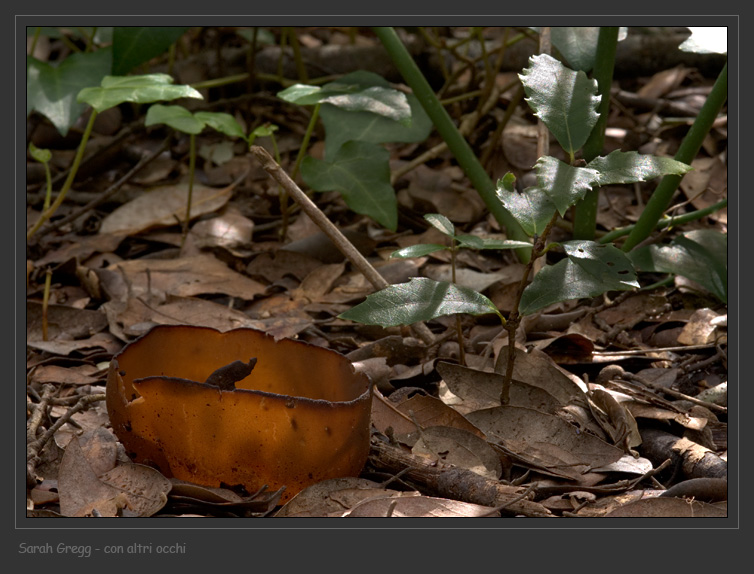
x=585, y=212
x=511, y=325
x=47, y=214
x=666, y=222
x=690, y=146
x=447, y=129
x=192, y=165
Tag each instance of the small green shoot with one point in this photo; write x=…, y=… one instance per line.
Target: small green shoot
x=182, y=120
x=112, y=91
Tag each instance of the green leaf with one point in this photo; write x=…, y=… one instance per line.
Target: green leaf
x=490, y=243
x=177, y=117
x=41, y=155
x=563, y=281
x=700, y=255
x=578, y=45
x=441, y=223
x=532, y=209
x=356, y=92
x=134, y=45
x=605, y=262
x=420, y=299
x=344, y=125
x=52, y=90
x=419, y=250
x=301, y=94
x=115, y=90
x=221, y=122
x=565, y=100
x=564, y=184
x=630, y=167
x=360, y=171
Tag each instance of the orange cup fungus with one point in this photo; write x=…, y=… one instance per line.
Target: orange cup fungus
x=182, y=399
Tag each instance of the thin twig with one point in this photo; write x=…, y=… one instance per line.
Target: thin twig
x=329, y=229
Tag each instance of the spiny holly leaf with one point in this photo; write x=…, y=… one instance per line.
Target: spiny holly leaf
x=563, y=183
x=606, y=263
x=565, y=100
x=441, y=223
x=629, y=167
x=420, y=299
x=144, y=89
x=532, y=208
x=700, y=255
x=476, y=242
x=419, y=250
x=360, y=171
x=561, y=282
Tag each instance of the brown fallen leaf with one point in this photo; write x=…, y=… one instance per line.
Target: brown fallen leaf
x=144, y=488
x=459, y=448
x=547, y=439
x=185, y=277
x=164, y=207
x=81, y=491
x=668, y=508
x=402, y=506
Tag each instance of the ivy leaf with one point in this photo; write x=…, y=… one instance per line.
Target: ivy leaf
x=360, y=171
x=51, y=90
x=177, y=117
x=700, y=255
x=344, y=125
x=631, y=167
x=420, y=299
x=146, y=89
x=566, y=101
x=564, y=184
x=133, y=45
x=532, y=209
x=357, y=92
x=221, y=122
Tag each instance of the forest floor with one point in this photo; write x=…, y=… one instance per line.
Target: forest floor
x=619, y=403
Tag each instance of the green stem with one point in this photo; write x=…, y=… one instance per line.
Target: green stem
x=192, y=165
x=585, y=213
x=458, y=146
x=305, y=142
x=45, y=215
x=666, y=222
x=690, y=145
